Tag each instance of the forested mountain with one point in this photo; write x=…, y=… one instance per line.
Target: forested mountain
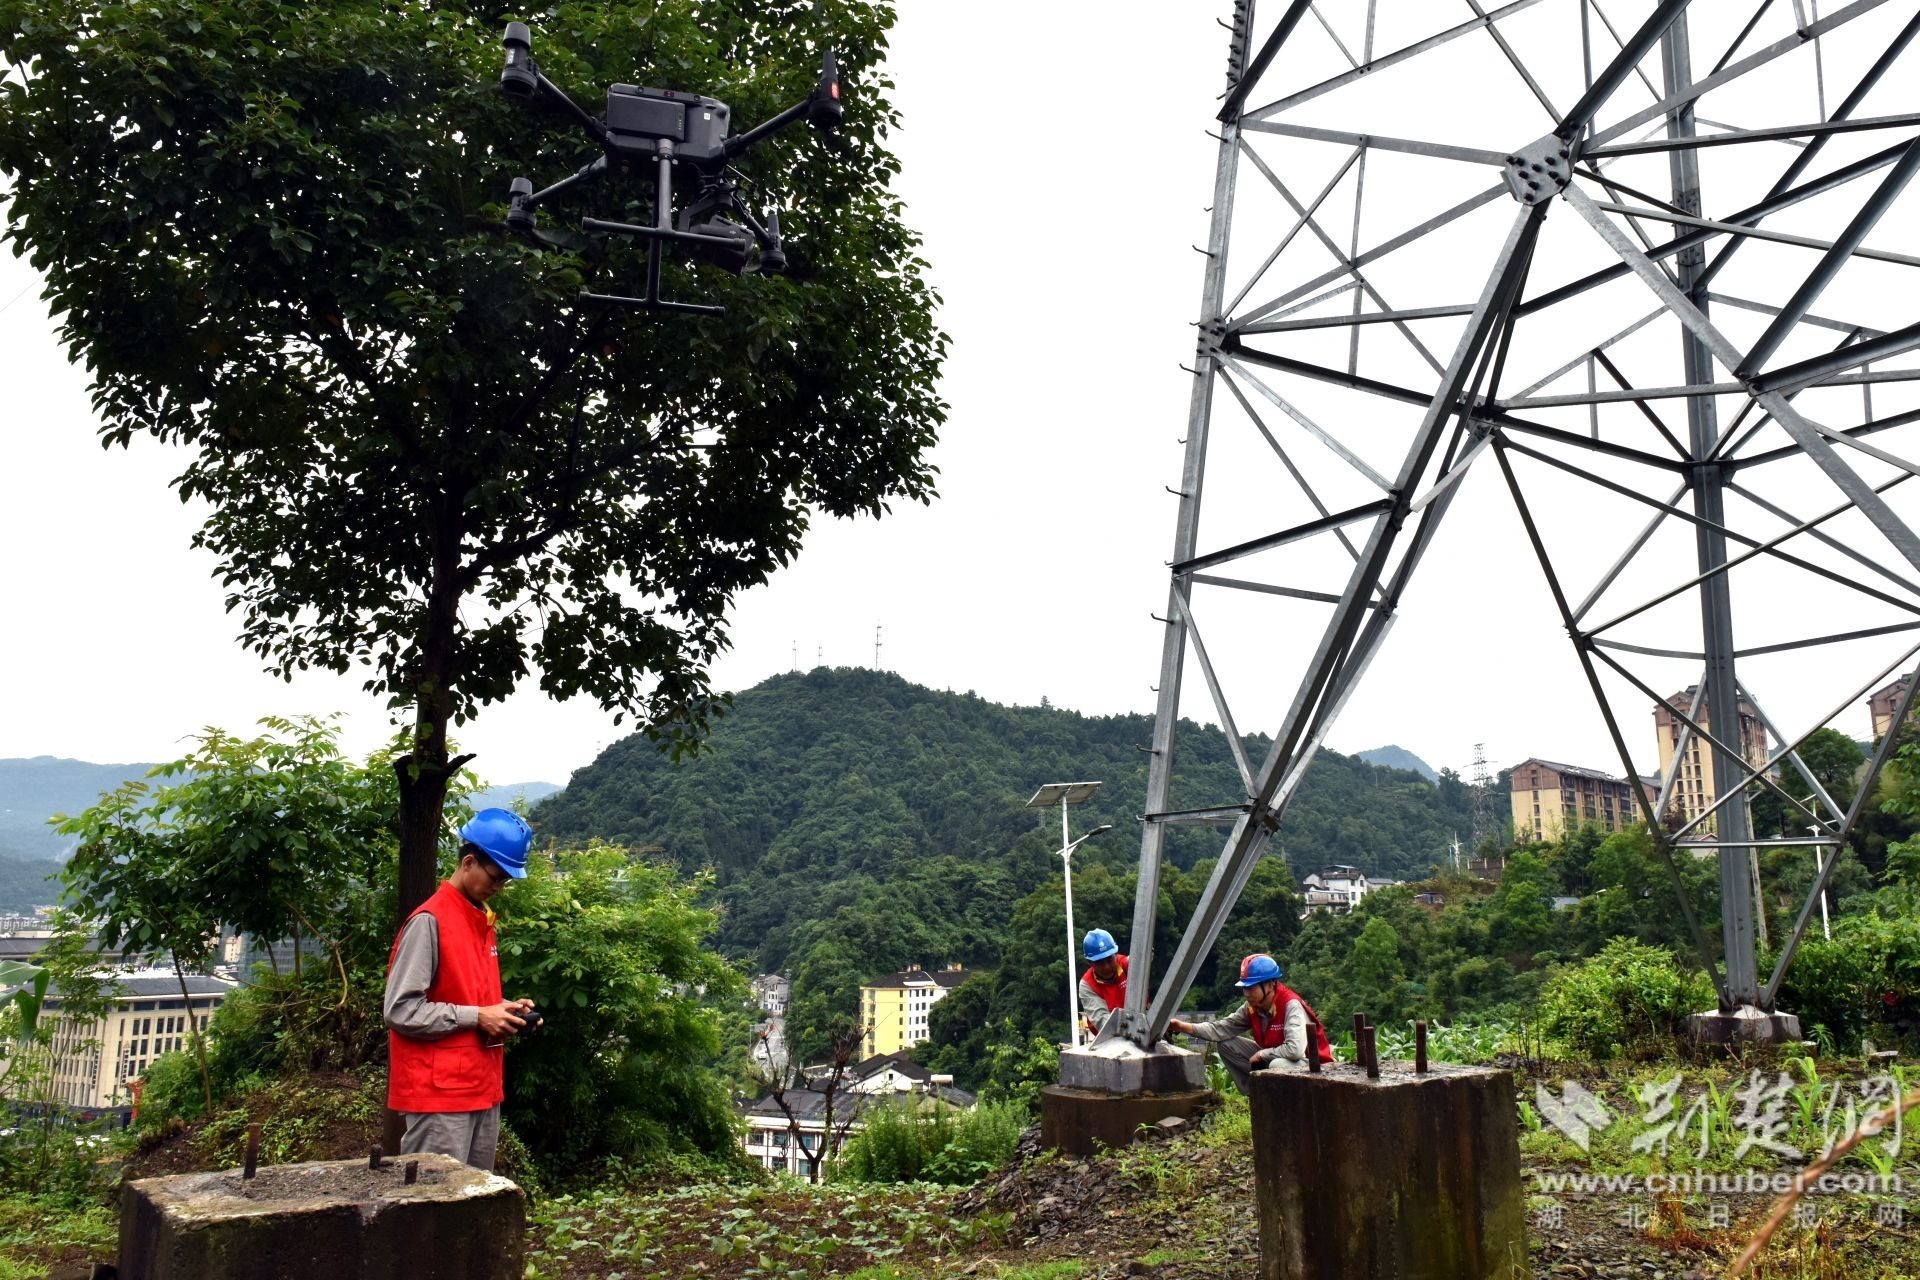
x=834, y=788
x=1397, y=757
x=34, y=789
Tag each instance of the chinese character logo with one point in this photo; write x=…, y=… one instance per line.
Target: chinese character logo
x=1575, y=1113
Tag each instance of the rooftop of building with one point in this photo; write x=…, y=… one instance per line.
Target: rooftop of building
x=811, y=1104
x=914, y=976
x=1892, y=688
x=1578, y=771
x=160, y=984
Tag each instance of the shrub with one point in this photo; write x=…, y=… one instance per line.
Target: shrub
x=900, y=1143
x=1864, y=982
x=1628, y=994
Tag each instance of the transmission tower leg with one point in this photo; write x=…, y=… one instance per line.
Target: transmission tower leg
x=1749, y=1015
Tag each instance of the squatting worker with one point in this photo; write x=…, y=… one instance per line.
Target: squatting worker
x=1103, y=987
x=447, y=1025
x=1272, y=1029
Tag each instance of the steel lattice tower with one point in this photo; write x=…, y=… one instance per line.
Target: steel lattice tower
x=1639, y=263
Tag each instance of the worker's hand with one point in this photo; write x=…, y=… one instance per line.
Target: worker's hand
x=1261, y=1057
x=1184, y=1028
x=503, y=1019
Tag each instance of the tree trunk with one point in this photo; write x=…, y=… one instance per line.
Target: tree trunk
x=193, y=1029
x=424, y=771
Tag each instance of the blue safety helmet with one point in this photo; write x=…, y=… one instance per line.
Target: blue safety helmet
x=1256, y=969
x=502, y=835
x=1099, y=945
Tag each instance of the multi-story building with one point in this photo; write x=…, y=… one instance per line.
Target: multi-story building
x=1549, y=799
x=1884, y=701
x=893, y=1009
x=1338, y=889
x=1693, y=790
x=97, y=1060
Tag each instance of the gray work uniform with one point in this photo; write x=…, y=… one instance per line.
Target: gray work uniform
x=471, y=1136
x=1093, y=1005
x=1232, y=1034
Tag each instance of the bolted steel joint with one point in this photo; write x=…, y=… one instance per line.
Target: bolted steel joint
x=1539, y=171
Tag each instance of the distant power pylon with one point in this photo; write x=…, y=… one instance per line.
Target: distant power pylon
x=1486, y=813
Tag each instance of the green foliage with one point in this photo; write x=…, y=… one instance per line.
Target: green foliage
x=391, y=406
x=785, y=1230
x=914, y=1142
x=35, y=1230
x=274, y=835
x=44, y=1151
x=610, y=947
x=1627, y=995
x=1865, y=982
x=269, y=835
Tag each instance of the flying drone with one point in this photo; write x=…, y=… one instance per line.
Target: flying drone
x=666, y=130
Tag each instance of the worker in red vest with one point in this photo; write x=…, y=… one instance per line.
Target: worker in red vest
x=1274, y=1027
x=1103, y=987
x=447, y=1026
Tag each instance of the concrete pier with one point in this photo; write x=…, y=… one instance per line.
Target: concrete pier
x=337, y=1219
x=1408, y=1177
x=1080, y=1122
x=1745, y=1025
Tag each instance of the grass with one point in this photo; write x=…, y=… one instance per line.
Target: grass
x=34, y=1233
x=1160, y=1256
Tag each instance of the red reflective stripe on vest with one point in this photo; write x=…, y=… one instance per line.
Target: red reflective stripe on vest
x=1271, y=1033
x=457, y=1072
x=1115, y=992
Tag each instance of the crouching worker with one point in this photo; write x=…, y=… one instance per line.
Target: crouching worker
x=1103, y=987
x=1273, y=1027
x=447, y=1026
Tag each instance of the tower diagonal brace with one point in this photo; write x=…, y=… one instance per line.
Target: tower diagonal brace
x=1343, y=652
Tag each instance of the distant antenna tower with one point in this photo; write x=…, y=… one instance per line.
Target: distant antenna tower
x=796, y=655
x=1486, y=818
x=876, y=647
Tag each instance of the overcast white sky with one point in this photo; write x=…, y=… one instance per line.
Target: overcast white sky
x=1056, y=161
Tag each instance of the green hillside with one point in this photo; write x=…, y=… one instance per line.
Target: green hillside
x=34, y=789
x=824, y=788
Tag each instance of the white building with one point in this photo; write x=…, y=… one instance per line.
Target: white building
x=96, y=1062
x=1338, y=889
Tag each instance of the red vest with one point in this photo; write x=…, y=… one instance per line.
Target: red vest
x=1271, y=1033
x=456, y=1072
x=1115, y=992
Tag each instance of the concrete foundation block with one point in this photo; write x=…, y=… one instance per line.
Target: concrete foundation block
x=1408, y=1177
x=1079, y=1122
x=336, y=1219
x=1120, y=1066
x=1745, y=1025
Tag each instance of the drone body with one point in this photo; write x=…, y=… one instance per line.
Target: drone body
x=662, y=130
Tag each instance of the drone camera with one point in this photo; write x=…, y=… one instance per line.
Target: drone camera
x=519, y=78
x=730, y=256
x=520, y=216
x=826, y=109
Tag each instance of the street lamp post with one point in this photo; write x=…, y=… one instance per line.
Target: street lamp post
x=1066, y=795
x=1819, y=878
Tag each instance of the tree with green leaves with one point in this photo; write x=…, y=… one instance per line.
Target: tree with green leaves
x=270, y=230
x=273, y=836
